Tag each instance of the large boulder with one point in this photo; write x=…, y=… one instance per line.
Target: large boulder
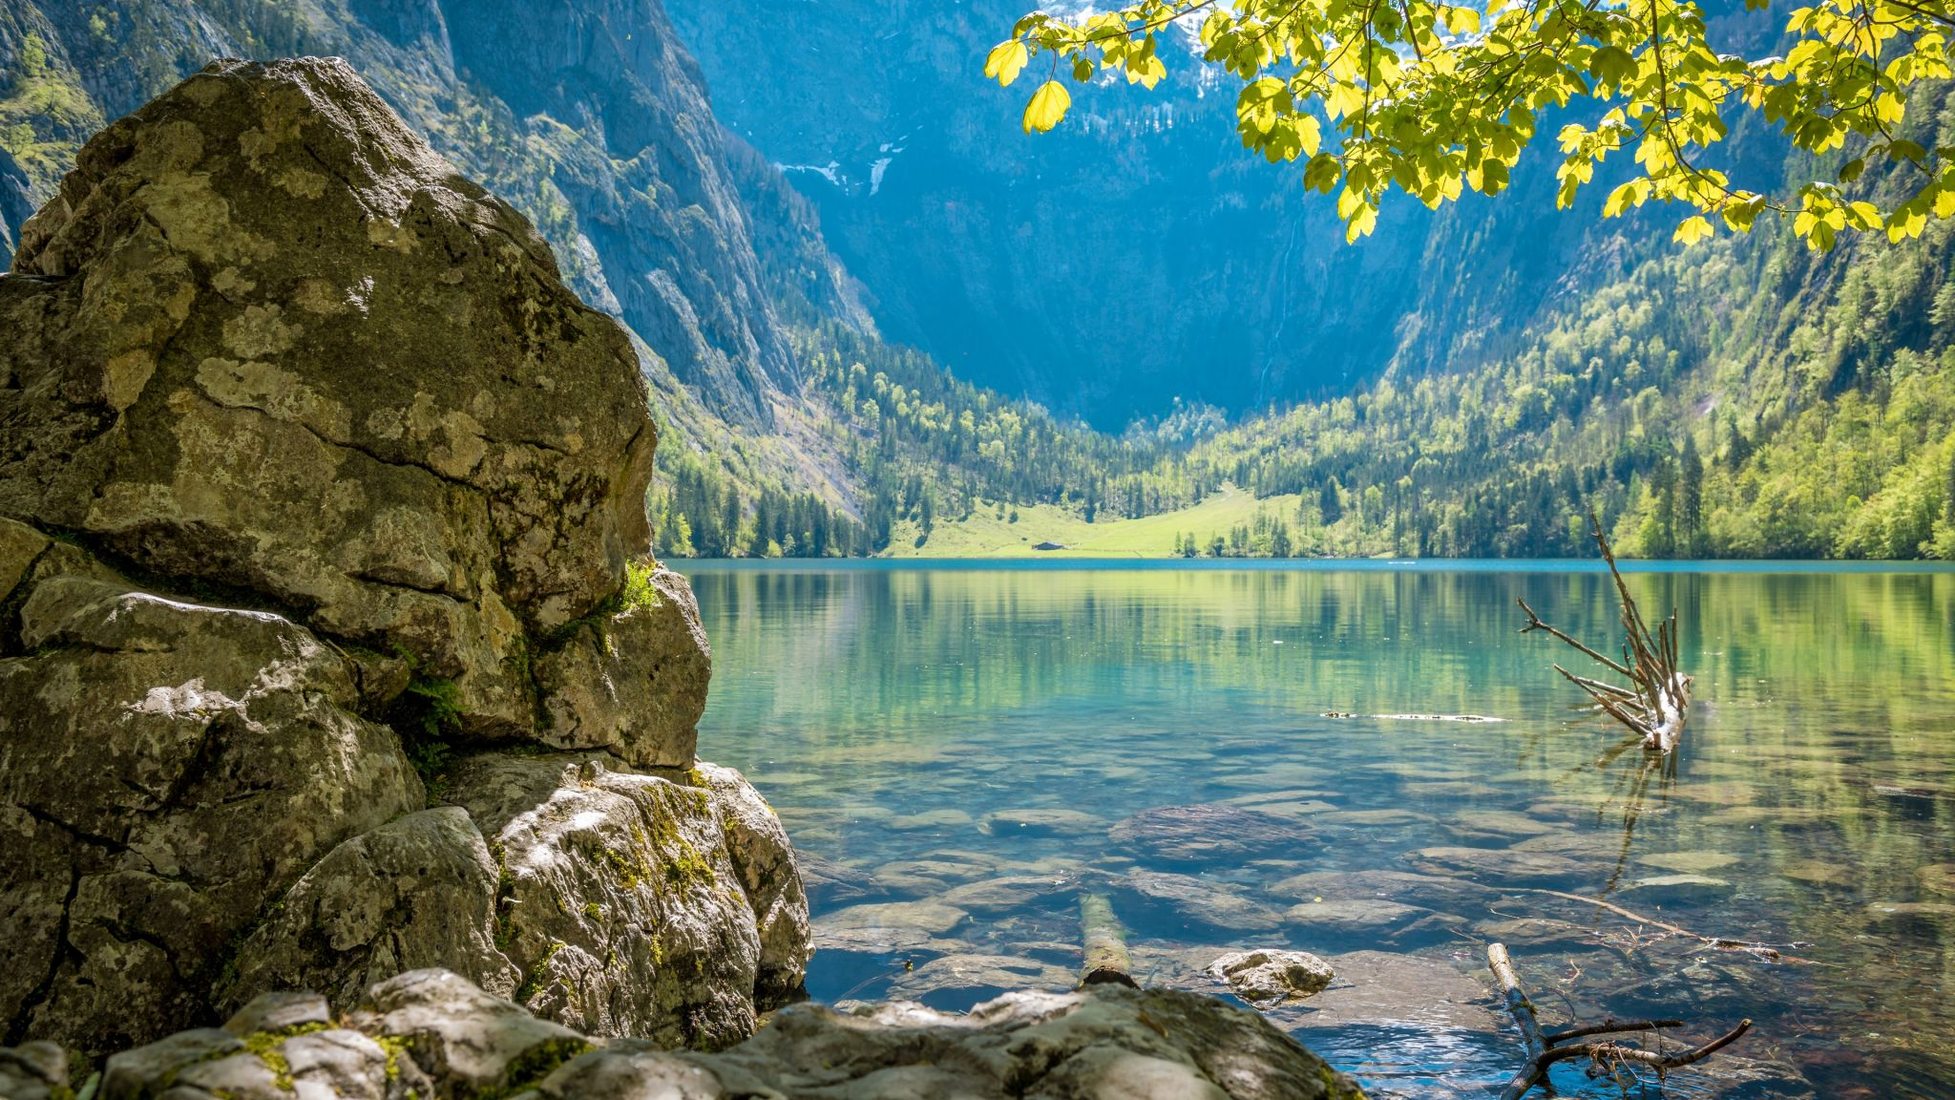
x=266, y=342
x=321, y=538
x=431, y=1033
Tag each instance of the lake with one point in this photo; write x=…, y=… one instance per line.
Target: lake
x=1259, y=756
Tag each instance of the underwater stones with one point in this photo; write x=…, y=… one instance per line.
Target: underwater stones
x=1209, y=834
x=886, y=926
x=1438, y=892
x=1041, y=822
x=1498, y=823
x=1007, y=892
x=168, y=768
x=1396, y=989
x=928, y=819
x=1522, y=934
x=1192, y=903
x=964, y=979
x=1689, y=863
x=1356, y=917
x=265, y=340
x=1273, y=976
x=1500, y=865
x=1937, y=878
x=1676, y=889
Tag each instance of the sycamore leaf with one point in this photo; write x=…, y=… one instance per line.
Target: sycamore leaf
x=1007, y=60
x=1048, y=106
x=1693, y=230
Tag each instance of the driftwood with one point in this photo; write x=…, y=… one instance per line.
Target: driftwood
x=1105, y=942
x=1656, y=703
x=1605, y=1056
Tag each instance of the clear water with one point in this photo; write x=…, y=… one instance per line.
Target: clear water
x=890, y=713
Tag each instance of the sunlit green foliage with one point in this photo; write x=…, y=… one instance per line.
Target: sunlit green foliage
x=1433, y=99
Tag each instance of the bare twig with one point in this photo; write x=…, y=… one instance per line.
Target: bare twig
x=1544, y=1050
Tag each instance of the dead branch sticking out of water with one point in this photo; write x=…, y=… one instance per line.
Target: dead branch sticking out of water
x=1656, y=703
x=1544, y=1049
x=1106, y=944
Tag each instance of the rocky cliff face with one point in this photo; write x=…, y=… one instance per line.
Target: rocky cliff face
x=590, y=118
x=325, y=647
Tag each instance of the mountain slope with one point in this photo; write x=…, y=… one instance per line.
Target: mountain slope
x=589, y=116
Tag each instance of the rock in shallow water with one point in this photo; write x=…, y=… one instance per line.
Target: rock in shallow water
x=1273, y=976
x=430, y=1033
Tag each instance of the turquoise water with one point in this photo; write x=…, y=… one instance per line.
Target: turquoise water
x=961, y=750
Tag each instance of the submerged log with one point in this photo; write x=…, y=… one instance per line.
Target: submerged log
x=1106, y=944
x=1656, y=703
x=1544, y=1049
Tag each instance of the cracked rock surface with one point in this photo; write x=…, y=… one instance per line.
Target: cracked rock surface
x=329, y=646
x=432, y=1033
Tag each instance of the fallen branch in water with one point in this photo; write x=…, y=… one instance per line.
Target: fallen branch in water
x=1656, y=703
x=1105, y=943
x=1721, y=943
x=1544, y=1049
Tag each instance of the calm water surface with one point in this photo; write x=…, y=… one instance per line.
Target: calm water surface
x=959, y=752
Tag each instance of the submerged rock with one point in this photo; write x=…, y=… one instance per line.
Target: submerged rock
x=1191, y=903
x=1211, y=834
x=1501, y=865
x=431, y=1033
x=381, y=477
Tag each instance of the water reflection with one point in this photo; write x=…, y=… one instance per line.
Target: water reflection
x=955, y=750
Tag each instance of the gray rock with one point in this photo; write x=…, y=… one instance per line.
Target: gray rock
x=1278, y=976
x=34, y=1071
x=418, y=892
x=623, y=905
x=465, y=1039
x=278, y=1011
x=1211, y=834
x=265, y=340
x=633, y=682
x=169, y=769
x=759, y=847
x=431, y=1033
x=1430, y=891
x=265, y=343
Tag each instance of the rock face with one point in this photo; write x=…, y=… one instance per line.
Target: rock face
x=321, y=502
x=432, y=1033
